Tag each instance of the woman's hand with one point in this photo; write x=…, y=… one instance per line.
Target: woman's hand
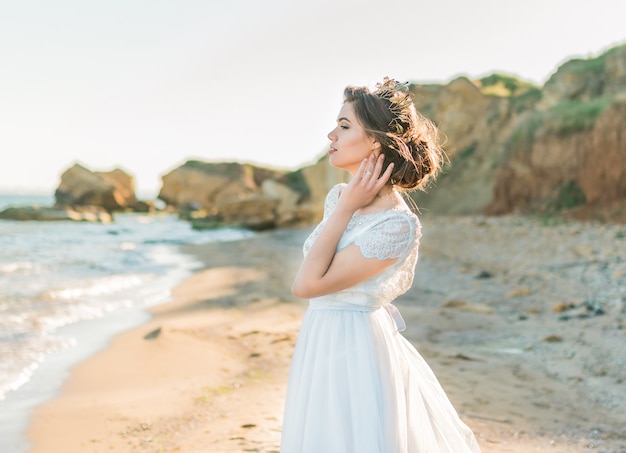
x=365, y=184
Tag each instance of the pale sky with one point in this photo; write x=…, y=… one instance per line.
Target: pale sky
x=145, y=85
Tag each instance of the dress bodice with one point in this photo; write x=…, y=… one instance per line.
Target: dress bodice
x=393, y=233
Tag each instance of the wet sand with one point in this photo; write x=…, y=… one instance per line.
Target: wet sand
x=523, y=321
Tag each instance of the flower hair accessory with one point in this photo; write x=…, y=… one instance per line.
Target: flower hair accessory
x=400, y=99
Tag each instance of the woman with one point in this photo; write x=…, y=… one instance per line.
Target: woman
x=356, y=385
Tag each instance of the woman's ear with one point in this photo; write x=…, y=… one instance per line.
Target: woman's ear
x=376, y=147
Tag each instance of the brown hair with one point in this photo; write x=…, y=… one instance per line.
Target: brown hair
x=407, y=139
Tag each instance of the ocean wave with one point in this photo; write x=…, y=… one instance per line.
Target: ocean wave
x=19, y=360
x=18, y=266
x=101, y=286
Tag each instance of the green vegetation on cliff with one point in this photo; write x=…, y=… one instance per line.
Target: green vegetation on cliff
x=571, y=117
x=505, y=85
x=593, y=66
x=568, y=195
x=563, y=119
x=523, y=95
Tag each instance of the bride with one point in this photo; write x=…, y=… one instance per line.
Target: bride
x=356, y=385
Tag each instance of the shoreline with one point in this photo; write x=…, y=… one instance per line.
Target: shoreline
x=214, y=378
x=84, y=339
x=207, y=343
x=46, y=382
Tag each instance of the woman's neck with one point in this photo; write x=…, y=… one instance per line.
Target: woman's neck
x=387, y=198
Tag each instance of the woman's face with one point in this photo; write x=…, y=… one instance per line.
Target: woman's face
x=349, y=144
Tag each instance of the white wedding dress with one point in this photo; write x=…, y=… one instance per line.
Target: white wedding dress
x=356, y=385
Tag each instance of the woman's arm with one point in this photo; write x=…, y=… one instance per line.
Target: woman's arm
x=324, y=270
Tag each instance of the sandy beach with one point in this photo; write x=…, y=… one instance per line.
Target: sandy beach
x=523, y=320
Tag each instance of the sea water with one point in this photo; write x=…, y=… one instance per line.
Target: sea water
x=67, y=287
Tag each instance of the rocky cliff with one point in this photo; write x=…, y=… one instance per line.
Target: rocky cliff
x=515, y=147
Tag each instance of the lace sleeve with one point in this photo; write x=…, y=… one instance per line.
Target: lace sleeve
x=391, y=238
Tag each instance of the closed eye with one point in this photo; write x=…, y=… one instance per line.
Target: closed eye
x=343, y=122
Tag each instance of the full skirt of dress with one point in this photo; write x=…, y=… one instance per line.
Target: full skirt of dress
x=356, y=385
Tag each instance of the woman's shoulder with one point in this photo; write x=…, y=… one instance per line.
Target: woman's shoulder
x=335, y=190
x=408, y=215
x=402, y=216
x=391, y=233
x=331, y=197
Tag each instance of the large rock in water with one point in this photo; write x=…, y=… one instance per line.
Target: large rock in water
x=214, y=194
x=256, y=211
x=230, y=193
x=113, y=190
x=201, y=185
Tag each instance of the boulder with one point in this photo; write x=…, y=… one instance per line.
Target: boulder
x=215, y=194
x=201, y=185
x=256, y=211
x=287, y=199
x=113, y=190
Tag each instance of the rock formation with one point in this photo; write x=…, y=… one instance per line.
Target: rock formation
x=113, y=190
x=85, y=196
x=215, y=194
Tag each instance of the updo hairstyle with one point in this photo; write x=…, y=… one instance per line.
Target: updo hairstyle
x=407, y=139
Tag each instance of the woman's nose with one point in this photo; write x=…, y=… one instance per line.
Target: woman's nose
x=331, y=135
